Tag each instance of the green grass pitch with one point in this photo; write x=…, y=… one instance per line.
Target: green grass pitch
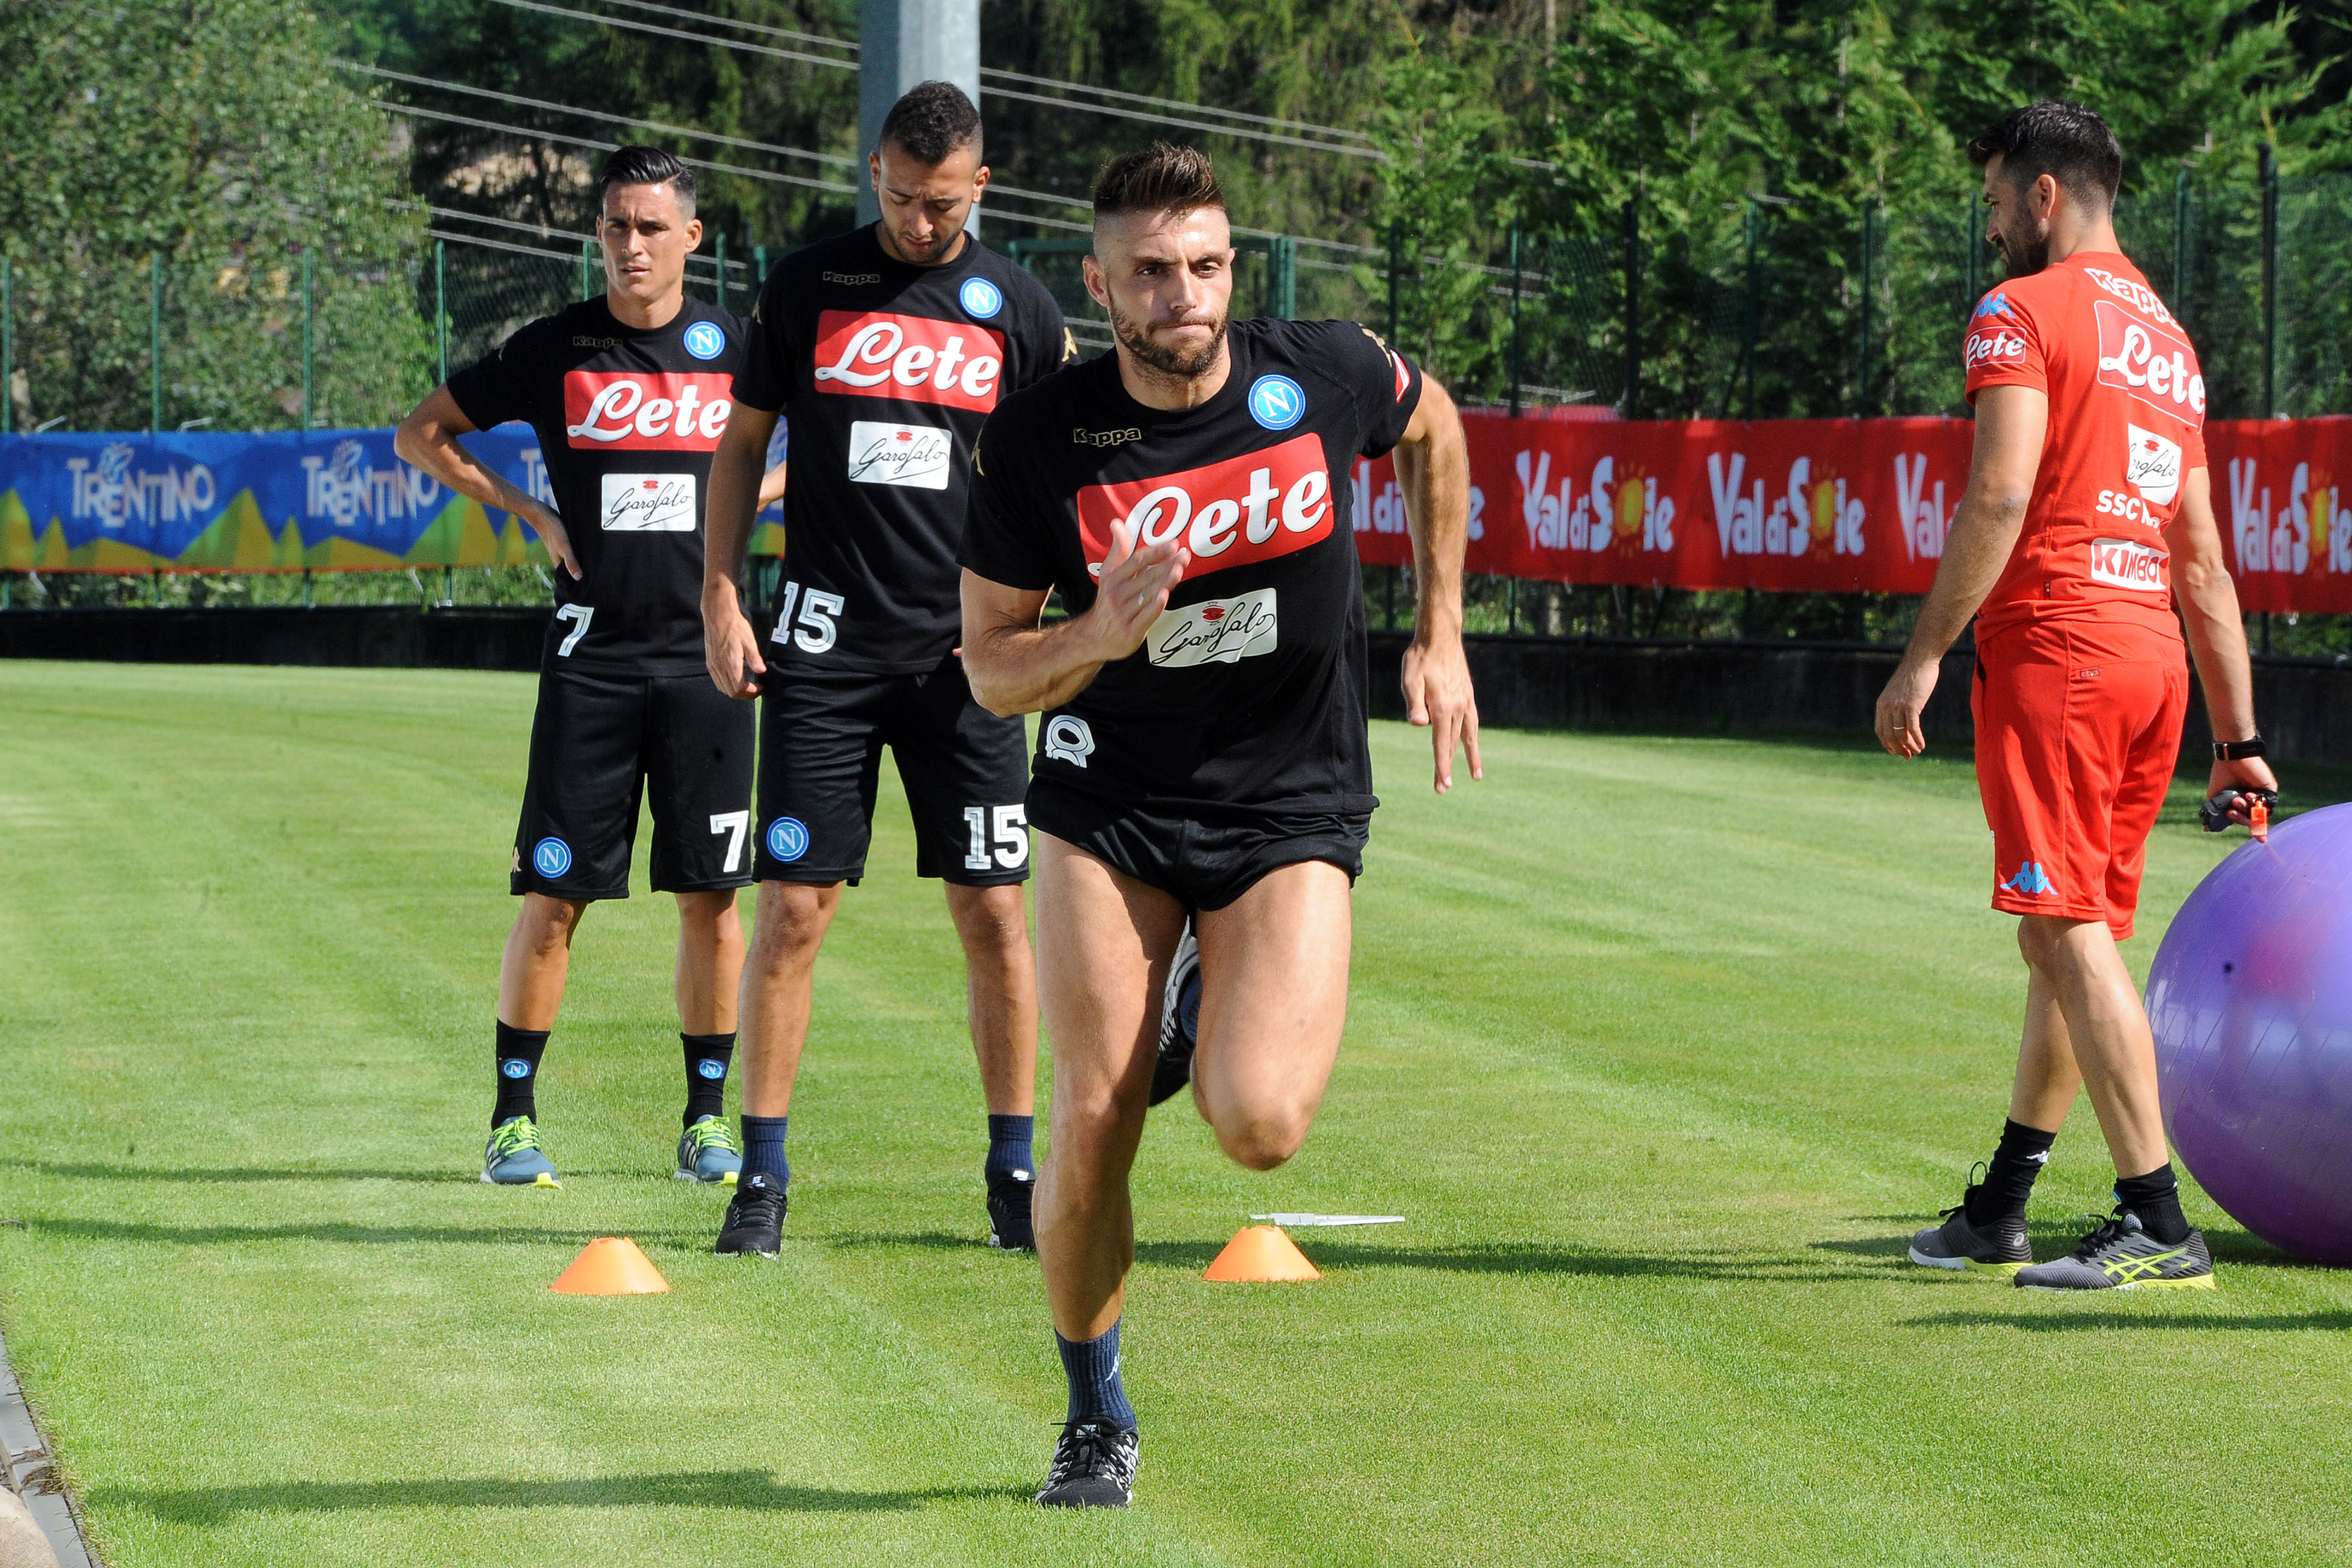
x=1663, y=1046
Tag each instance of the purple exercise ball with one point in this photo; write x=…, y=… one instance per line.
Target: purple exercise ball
x=2251, y=998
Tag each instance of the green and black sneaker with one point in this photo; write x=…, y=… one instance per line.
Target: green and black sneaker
x=513, y=1157
x=2121, y=1255
x=1999, y=1247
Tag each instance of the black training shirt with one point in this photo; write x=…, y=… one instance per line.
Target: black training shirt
x=626, y=423
x=885, y=371
x=1247, y=695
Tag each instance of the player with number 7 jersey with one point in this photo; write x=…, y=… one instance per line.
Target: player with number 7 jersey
x=629, y=393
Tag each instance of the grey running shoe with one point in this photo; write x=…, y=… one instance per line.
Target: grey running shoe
x=1958, y=1245
x=1179, y=1020
x=2120, y=1254
x=513, y=1157
x=708, y=1153
x=1094, y=1466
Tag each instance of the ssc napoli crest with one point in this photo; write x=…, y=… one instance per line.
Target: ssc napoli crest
x=705, y=341
x=552, y=856
x=788, y=838
x=515, y=1066
x=710, y=1068
x=979, y=298
x=1276, y=402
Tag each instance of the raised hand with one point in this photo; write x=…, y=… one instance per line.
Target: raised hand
x=1132, y=590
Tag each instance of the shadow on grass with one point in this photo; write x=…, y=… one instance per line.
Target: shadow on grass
x=105, y=1172
x=363, y=1235
x=2062, y=1320
x=703, y=1489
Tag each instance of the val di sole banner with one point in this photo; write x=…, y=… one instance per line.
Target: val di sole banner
x=1784, y=505
x=329, y=500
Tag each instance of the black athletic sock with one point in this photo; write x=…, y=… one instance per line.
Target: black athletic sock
x=2156, y=1198
x=517, y=1064
x=1009, y=1140
x=706, y=1056
x=763, y=1149
x=2009, y=1179
x=1092, y=1367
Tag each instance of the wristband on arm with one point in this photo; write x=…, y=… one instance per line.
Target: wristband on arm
x=2239, y=751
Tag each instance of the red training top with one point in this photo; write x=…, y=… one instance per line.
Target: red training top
x=2127, y=413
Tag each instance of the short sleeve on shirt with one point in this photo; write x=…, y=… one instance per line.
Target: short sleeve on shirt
x=1007, y=538
x=2192, y=449
x=2004, y=345
x=495, y=388
x=765, y=382
x=1386, y=385
x=1045, y=342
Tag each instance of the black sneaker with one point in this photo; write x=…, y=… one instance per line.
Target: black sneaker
x=1179, y=1019
x=1999, y=1246
x=1009, y=1194
x=1094, y=1466
x=2120, y=1254
x=755, y=1217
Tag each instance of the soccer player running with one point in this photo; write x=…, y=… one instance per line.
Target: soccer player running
x=1204, y=749
x=628, y=395
x=885, y=348
x=2088, y=516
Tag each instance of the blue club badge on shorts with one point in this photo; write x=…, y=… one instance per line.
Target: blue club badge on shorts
x=1276, y=402
x=979, y=298
x=705, y=341
x=788, y=838
x=553, y=857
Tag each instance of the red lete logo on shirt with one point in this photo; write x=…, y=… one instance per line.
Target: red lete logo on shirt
x=1243, y=509
x=874, y=354
x=645, y=410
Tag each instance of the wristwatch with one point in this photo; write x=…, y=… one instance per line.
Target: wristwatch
x=2239, y=751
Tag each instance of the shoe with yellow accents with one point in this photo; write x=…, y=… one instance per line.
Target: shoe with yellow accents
x=2120, y=1254
x=513, y=1158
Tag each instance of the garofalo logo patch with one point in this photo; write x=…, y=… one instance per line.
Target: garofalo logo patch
x=1214, y=631
x=886, y=454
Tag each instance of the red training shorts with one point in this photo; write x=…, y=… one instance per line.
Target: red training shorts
x=2078, y=731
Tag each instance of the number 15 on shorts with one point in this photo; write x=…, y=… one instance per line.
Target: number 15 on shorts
x=1000, y=837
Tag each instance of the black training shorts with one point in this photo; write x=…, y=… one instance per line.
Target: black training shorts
x=594, y=742
x=1203, y=865
x=821, y=739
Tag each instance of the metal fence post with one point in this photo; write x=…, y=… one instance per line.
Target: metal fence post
x=1862, y=355
x=1396, y=268
x=1281, y=277
x=1748, y=314
x=2269, y=171
x=1515, y=321
x=441, y=310
x=722, y=270
x=2181, y=248
x=1632, y=225
x=155, y=344
x=309, y=340
x=585, y=258
x=7, y=347
x=758, y=272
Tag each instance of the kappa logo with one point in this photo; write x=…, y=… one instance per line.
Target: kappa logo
x=705, y=341
x=853, y=280
x=788, y=838
x=1993, y=304
x=979, y=298
x=874, y=354
x=643, y=411
x=1068, y=740
x=1106, y=438
x=1276, y=402
x=1247, y=508
x=2139, y=295
x=2030, y=879
x=551, y=856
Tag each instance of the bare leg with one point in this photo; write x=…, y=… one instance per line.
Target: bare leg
x=2047, y=1078
x=1274, y=998
x=1001, y=983
x=790, y=927
x=2107, y=1028
x=538, y=957
x=710, y=961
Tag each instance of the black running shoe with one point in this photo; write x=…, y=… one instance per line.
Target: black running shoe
x=755, y=1217
x=1094, y=1466
x=1009, y=1193
x=1179, y=1020
x=1999, y=1246
x=2121, y=1255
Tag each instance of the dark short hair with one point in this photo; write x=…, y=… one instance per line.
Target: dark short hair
x=1161, y=178
x=2066, y=140
x=932, y=121
x=644, y=167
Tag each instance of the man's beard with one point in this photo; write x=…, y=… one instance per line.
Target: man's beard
x=1163, y=358
x=2028, y=256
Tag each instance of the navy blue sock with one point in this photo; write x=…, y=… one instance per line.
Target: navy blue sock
x=1009, y=1138
x=763, y=1148
x=519, y=1054
x=706, y=1056
x=1092, y=1367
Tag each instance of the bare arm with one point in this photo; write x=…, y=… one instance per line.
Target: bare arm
x=2216, y=633
x=1433, y=465
x=427, y=439
x=2011, y=423
x=772, y=486
x=730, y=650
x=1016, y=666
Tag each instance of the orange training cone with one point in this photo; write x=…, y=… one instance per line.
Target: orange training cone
x=1261, y=1252
x=611, y=1266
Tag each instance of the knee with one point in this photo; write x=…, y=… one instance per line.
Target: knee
x=787, y=934
x=546, y=924
x=1265, y=1137
x=995, y=921
x=2042, y=942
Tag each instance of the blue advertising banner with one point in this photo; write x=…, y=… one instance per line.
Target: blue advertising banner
x=333, y=501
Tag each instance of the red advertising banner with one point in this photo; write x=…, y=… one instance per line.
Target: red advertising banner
x=1833, y=506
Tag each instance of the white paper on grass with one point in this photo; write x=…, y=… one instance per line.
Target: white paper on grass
x=1305, y=1219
